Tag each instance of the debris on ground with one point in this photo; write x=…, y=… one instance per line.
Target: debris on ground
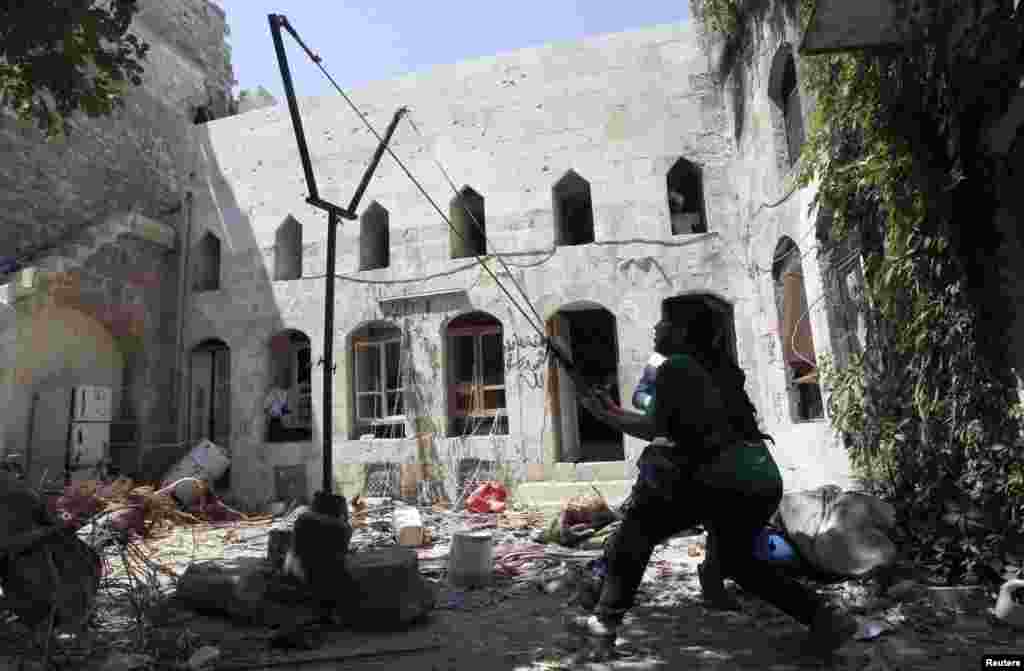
x=489, y=497
x=174, y=550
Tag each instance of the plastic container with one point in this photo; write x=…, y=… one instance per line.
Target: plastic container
x=771, y=546
x=471, y=562
x=206, y=461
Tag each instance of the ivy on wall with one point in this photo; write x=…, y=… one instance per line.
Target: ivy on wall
x=930, y=413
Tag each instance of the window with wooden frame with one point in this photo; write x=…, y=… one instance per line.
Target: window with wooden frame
x=379, y=383
x=476, y=376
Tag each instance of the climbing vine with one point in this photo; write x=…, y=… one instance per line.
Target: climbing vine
x=929, y=412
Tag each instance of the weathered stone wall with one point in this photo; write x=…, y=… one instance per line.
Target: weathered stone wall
x=98, y=213
x=768, y=207
x=619, y=110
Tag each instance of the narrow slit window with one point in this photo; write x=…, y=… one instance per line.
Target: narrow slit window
x=574, y=212
x=207, y=266
x=685, y=186
x=374, y=238
x=288, y=250
x=469, y=223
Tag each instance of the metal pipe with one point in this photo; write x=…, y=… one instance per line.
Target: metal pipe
x=276, y=21
x=376, y=159
x=328, y=397
x=186, y=246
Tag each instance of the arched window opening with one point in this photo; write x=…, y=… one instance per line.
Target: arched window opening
x=795, y=336
x=476, y=376
x=785, y=93
x=207, y=266
x=686, y=198
x=202, y=115
x=379, y=370
x=210, y=393
x=288, y=250
x=289, y=401
x=374, y=238
x=469, y=234
x=574, y=212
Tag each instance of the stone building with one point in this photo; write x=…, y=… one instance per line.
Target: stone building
x=615, y=180
x=95, y=222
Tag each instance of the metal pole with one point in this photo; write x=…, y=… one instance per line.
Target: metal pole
x=276, y=21
x=332, y=229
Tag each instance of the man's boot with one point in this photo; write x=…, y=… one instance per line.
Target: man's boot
x=712, y=581
x=830, y=630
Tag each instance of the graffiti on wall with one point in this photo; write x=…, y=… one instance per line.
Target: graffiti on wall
x=527, y=358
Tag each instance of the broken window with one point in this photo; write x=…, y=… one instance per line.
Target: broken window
x=476, y=377
x=289, y=402
x=686, y=198
x=288, y=250
x=574, y=213
x=785, y=93
x=468, y=236
x=795, y=336
x=210, y=392
x=378, y=373
x=374, y=238
x=207, y=265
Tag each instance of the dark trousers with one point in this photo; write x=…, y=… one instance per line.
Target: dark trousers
x=657, y=512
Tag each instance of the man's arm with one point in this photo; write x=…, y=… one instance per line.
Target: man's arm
x=635, y=424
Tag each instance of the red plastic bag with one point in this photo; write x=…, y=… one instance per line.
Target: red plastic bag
x=488, y=498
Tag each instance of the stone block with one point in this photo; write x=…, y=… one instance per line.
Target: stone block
x=387, y=590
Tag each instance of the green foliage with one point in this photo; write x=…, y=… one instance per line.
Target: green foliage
x=62, y=56
x=929, y=413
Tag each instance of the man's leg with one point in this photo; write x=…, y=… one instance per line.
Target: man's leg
x=748, y=514
x=653, y=516
x=711, y=576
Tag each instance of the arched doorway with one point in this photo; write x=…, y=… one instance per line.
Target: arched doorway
x=589, y=332
x=210, y=392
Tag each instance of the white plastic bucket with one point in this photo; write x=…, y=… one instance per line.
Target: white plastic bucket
x=471, y=562
x=206, y=461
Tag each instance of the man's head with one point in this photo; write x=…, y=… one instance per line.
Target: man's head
x=669, y=337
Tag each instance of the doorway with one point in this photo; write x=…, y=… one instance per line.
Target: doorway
x=589, y=334
x=210, y=393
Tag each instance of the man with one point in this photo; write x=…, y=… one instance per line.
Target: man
x=706, y=462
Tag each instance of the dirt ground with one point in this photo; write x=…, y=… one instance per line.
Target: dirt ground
x=516, y=625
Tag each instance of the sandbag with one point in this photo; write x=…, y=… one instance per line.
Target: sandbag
x=842, y=534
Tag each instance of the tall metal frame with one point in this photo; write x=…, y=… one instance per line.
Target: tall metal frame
x=334, y=214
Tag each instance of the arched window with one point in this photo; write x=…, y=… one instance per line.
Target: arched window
x=469, y=237
x=795, y=336
x=207, y=266
x=476, y=376
x=784, y=92
x=374, y=238
x=288, y=250
x=685, y=187
x=289, y=403
x=378, y=381
x=574, y=213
